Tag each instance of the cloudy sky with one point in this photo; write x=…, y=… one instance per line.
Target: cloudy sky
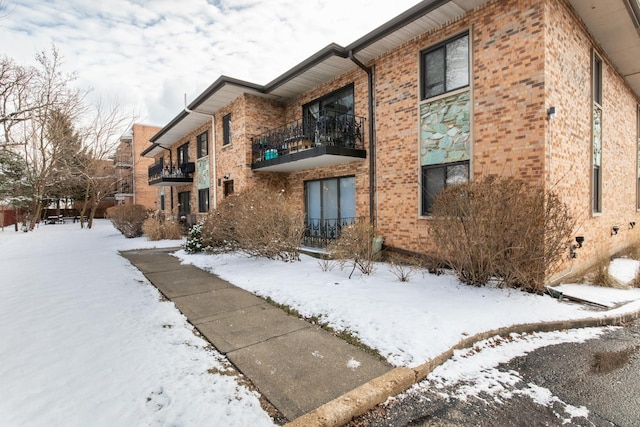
x=149, y=53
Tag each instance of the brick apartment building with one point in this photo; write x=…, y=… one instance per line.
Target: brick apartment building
x=451, y=90
x=132, y=186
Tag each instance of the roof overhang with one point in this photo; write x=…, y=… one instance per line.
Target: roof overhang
x=615, y=24
x=319, y=68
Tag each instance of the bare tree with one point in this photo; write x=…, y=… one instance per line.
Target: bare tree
x=48, y=93
x=16, y=104
x=101, y=138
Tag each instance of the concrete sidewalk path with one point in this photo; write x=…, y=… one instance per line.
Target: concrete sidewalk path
x=294, y=364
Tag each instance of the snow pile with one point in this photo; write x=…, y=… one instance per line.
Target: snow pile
x=474, y=373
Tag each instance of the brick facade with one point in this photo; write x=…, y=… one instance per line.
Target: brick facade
x=525, y=57
x=132, y=168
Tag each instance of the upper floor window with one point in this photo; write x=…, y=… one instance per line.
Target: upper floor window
x=333, y=105
x=638, y=160
x=445, y=67
x=183, y=154
x=596, y=142
x=203, y=144
x=226, y=130
x=597, y=80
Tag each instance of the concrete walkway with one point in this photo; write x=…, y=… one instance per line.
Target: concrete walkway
x=295, y=365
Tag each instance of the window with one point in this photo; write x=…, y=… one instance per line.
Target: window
x=435, y=178
x=162, y=202
x=331, y=199
x=445, y=67
x=226, y=130
x=228, y=188
x=596, y=142
x=336, y=103
x=203, y=200
x=184, y=203
x=203, y=144
x=597, y=80
x=638, y=160
x=183, y=154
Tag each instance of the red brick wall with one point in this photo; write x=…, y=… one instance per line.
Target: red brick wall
x=507, y=41
x=527, y=56
x=568, y=87
x=144, y=194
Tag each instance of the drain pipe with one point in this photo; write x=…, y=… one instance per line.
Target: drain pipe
x=170, y=165
x=213, y=151
x=373, y=218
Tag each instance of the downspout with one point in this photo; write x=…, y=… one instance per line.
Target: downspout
x=170, y=165
x=213, y=151
x=133, y=166
x=373, y=211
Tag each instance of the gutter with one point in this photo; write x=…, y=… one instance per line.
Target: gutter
x=372, y=138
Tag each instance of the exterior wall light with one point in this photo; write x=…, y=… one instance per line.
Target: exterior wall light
x=572, y=249
x=551, y=113
x=632, y=224
x=614, y=230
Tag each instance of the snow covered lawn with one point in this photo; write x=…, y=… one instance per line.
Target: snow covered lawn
x=85, y=340
x=407, y=322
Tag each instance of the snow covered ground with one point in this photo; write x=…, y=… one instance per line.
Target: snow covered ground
x=85, y=340
x=407, y=322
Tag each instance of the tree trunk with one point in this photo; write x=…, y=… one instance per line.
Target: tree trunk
x=84, y=206
x=92, y=214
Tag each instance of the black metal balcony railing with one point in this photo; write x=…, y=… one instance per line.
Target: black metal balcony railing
x=344, y=130
x=124, y=185
x=122, y=161
x=159, y=170
x=320, y=232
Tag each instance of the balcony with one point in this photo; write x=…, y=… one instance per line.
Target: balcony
x=318, y=233
x=124, y=187
x=122, y=161
x=161, y=174
x=305, y=144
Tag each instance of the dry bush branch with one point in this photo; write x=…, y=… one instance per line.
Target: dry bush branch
x=501, y=228
x=356, y=244
x=156, y=227
x=258, y=223
x=128, y=219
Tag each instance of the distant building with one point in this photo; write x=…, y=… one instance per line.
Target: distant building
x=132, y=186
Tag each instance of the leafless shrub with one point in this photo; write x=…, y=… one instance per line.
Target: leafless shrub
x=257, y=222
x=599, y=276
x=156, y=227
x=218, y=231
x=402, y=267
x=635, y=282
x=326, y=264
x=501, y=228
x=128, y=219
x=356, y=244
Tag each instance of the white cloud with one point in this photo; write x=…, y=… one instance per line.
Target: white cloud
x=153, y=51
